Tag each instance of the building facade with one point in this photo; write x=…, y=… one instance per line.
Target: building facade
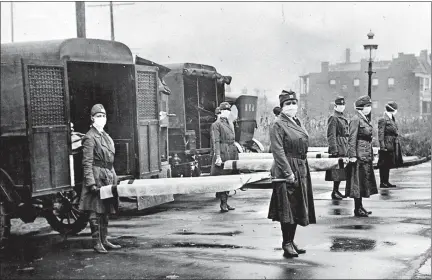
x=405, y=80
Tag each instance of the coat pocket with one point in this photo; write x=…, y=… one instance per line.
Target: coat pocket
x=364, y=150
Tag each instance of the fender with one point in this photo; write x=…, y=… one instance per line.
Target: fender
x=258, y=143
x=239, y=147
x=7, y=188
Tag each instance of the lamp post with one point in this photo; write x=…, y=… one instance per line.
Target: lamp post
x=370, y=46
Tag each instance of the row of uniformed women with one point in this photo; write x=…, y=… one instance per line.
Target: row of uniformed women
x=355, y=141
x=292, y=198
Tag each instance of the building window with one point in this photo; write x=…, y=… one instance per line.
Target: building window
x=426, y=84
x=374, y=104
x=421, y=83
x=375, y=82
x=426, y=107
x=356, y=82
x=391, y=82
x=332, y=82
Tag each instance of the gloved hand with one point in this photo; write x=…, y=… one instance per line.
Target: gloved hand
x=291, y=178
x=218, y=161
x=353, y=159
x=383, y=149
x=94, y=189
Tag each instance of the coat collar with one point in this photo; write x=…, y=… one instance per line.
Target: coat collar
x=361, y=116
x=99, y=134
x=339, y=115
x=291, y=123
x=226, y=122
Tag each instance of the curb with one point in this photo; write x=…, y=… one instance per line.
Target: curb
x=415, y=266
x=411, y=162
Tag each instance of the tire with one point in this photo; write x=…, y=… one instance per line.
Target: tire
x=5, y=224
x=65, y=217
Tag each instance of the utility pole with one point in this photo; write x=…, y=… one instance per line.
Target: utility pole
x=80, y=19
x=12, y=21
x=112, y=14
x=112, y=20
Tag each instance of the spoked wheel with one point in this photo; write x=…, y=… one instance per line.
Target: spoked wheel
x=65, y=217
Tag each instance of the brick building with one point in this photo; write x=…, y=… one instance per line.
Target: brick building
x=405, y=79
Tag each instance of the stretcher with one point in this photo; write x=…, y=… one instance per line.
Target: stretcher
x=265, y=164
x=183, y=185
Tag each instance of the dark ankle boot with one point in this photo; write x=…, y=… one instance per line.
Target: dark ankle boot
x=287, y=246
x=96, y=236
x=292, y=235
x=336, y=196
x=224, y=199
x=360, y=213
x=289, y=251
x=104, y=238
x=366, y=211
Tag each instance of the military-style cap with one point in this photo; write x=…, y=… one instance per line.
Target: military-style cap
x=217, y=111
x=225, y=106
x=287, y=95
x=362, y=101
x=277, y=110
x=340, y=100
x=391, y=106
x=97, y=108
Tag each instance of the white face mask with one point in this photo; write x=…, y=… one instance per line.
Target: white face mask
x=290, y=110
x=225, y=113
x=366, y=110
x=99, y=122
x=340, y=108
x=395, y=112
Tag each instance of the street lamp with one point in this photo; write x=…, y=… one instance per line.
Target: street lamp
x=371, y=47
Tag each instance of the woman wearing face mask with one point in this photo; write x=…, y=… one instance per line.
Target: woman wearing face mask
x=98, y=159
x=223, y=138
x=360, y=174
x=337, y=137
x=292, y=202
x=390, y=154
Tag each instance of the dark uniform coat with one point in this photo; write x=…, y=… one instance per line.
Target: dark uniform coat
x=337, y=138
x=388, y=137
x=290, y=203
x=223, y=138
x=98, y=159
x=360, y=175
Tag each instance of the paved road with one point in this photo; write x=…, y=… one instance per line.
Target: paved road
x=190, y=238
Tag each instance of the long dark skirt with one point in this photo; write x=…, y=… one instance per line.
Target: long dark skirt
x=390, y=159
x=360, y=180
x=293, y=203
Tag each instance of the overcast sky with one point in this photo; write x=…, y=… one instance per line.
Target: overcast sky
x=262, y=45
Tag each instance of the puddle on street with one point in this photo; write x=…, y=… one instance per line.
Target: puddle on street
x=385, y=194
x=228, y=233
x=339, y=211
x=200, y=245
x=347, y=244
x=361, y=227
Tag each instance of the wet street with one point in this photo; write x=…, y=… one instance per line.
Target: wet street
x=190, y=238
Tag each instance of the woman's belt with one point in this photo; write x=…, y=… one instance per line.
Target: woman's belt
x=346, y=136
x=102, y=164
x=365, y=138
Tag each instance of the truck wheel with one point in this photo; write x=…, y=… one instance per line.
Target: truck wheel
x=65, y=217
x=5, y=224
